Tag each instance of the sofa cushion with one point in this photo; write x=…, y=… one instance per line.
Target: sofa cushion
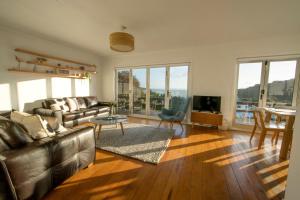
x=37, y=127
x=91, y=101
x=73, y=104
x=90, y=111
x=72, y=115
x=12, y=135
x=81, y=102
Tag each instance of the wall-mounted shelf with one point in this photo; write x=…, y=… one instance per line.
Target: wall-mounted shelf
x=58, y=67
x=46, y=74
x=52, y=57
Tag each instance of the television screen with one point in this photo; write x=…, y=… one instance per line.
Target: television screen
x=207, y=103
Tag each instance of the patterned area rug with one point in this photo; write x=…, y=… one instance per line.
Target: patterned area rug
x=142, y=142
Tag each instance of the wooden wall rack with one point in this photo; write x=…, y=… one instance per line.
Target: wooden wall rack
x=83, y=69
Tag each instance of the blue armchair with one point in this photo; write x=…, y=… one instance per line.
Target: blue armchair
x=176, y=114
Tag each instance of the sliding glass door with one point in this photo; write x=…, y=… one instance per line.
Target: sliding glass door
x=123, y=91
x=139, y=91
x=248, y=94
x=281, y=82
x=157, y=89
x=265, y=83
x=178, y=85
x=147, y=90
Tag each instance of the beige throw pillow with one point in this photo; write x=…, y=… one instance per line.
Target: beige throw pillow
x=55, y=107
x=37, y=127
x=60, y=107
x=73, y=104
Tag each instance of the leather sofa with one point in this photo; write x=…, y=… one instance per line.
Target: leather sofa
x=29, y=169
x=92, y=108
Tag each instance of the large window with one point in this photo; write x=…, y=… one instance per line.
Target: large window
x=61, y=87
x=147, y=90
x=5, y=97
x=82, y=87
x=30, y=91
x=265, y=83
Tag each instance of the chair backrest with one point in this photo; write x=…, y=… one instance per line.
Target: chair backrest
x=182, y=109
x=259, y=118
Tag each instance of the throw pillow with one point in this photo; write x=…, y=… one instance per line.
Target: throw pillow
x=37, y=127
x=13, y=134
x=55, y=107
x=61, y=102
x=73, y=104
x=54, y=124
x=81, y=103
x=91, y=101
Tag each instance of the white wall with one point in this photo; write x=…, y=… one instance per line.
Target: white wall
x=11, y=39
x=214, y=67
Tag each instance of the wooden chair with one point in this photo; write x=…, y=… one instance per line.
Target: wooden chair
x=265, y=127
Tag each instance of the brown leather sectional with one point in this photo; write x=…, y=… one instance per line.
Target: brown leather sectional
x=29, y=169
x=93, y=108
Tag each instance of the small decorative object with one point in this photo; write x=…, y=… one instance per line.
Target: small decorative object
x=41, y=60
x=86, y=75
x=62, y=71
x=19, y=62
x=34, y=68
x=121, y=41
x=81, y=67
x=50, y=71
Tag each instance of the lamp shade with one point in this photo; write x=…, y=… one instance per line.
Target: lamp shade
x=121, y=42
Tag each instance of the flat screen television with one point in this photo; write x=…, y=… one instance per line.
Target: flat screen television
x=207, y=103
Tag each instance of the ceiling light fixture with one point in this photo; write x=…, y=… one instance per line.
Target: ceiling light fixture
x=121, y=41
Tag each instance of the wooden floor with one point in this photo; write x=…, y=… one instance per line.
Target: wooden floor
x=200, y=164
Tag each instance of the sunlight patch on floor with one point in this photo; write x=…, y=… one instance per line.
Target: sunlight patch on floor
x=258, y=161
x=273, y=167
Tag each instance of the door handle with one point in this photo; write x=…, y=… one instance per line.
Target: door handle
x=262, y=92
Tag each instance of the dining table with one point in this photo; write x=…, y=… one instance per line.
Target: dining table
x=289, y=115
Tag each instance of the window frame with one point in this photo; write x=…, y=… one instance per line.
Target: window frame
x=264, y=84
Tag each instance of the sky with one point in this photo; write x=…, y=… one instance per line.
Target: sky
x=178, y=77
x=250, y=73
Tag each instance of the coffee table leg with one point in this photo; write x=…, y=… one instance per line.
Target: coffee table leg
x=121, y=124
x=99, y=130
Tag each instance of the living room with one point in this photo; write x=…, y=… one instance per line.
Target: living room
x=137, y=116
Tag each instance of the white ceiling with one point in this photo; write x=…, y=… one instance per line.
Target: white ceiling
x=156, y=24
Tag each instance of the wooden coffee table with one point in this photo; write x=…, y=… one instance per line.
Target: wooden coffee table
x=110, y=120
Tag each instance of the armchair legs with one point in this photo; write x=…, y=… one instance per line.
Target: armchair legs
x=160, y=123
x=172, y=124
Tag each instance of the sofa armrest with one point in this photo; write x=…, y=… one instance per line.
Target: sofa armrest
x=106, y=103
x=49, y=113
x=6, y=187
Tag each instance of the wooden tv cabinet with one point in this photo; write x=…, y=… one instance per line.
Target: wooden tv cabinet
x=206, y=118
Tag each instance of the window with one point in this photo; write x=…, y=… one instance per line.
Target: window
x=30, y=91
x=5, y=97
x=281, y=83
x=265, y=83
x=61, y=87
x=82, y=87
